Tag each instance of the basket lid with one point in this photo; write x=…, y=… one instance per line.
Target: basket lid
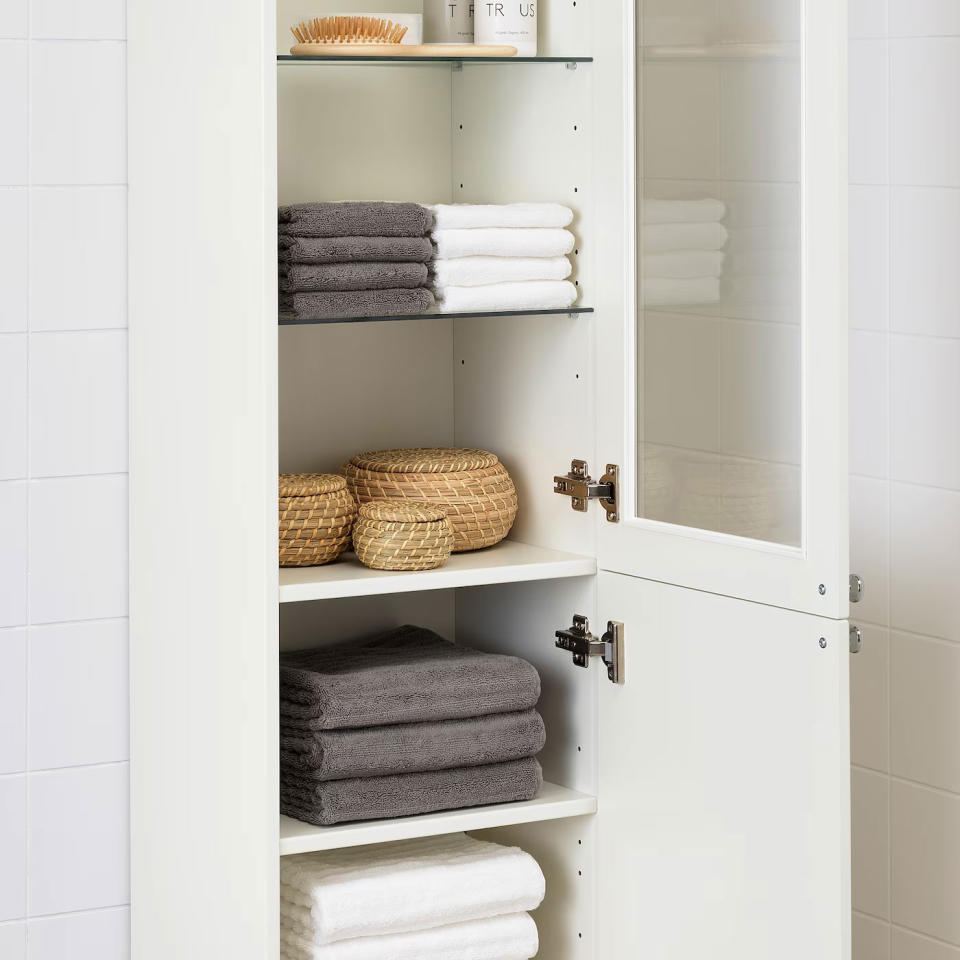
x=310, y=484
x=425, y=460
x=402, y=511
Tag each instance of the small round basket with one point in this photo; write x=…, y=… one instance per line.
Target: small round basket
x=316, y=518
x=472, y=486
x=402, y=535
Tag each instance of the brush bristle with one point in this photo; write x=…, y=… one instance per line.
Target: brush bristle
x=348, y=30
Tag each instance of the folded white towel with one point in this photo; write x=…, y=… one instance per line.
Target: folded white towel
x=683, y=211
x=408, y=885
x=510, y=937
x=503, y=242
x=659, y=292
x=472, y=215
x=668, y=237
x=681, y=265
x=528, y=295
x=477, y=271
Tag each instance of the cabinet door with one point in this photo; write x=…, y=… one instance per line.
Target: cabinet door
x=721, y=334
x=723, y=829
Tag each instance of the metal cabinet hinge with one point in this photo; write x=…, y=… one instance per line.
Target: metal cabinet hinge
x=579, y=641
x=856, y=638
x=582, y=488
x=856, y=588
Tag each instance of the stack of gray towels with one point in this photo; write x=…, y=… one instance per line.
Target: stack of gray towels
x=354, y=259
x=403, y=724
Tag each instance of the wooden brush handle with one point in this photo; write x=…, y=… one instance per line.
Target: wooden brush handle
x=459, y=51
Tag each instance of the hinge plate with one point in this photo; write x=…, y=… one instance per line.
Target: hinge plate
x=581, y=488
x=856, y=588
x=583, y=645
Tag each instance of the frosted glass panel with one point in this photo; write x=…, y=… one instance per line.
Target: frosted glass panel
x=719, y=344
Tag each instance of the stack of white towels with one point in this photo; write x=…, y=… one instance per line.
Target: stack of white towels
x=511, y=256
x=433, y=898
x=683, y=243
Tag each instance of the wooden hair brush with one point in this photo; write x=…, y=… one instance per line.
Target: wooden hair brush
x=374, y=37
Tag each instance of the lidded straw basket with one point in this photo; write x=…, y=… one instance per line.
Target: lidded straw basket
x=402, y=535
x=472, y=486
x=316, y=518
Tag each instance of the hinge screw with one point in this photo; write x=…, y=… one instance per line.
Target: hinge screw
x=823, y=643
x=822, y=589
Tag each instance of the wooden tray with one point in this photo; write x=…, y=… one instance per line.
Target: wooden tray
x=459, y=51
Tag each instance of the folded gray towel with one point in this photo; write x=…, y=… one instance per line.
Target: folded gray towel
x=409, y=794
x=354, y=249
x=355, y=219
x=408, y=675
x=321, y=277
x=411, y=747
x=392, y=302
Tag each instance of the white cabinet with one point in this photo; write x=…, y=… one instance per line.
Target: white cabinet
x=698, y=808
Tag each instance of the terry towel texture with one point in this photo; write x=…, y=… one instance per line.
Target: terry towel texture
x=663, y=238
x=658, y=292
x=406, y=885
x=502, y=242
x=530, y=294
x=408, y=794
x=392, y=302
x=472, y=215
x=683, y=211
x=412, y=747
x=322, y=277
x=353, y=249
x=408, y=675
x=510, y=937
x=477, y=271
x=355, y=219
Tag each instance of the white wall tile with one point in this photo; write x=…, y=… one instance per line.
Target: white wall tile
x=870, y=545
x=78, y=243
x=867, y=18
x=871, y=938
x=13, y=406
x=78, y=549
x=78, y=694
x=870, y=812
x=69, y=20
x=869, y=113
x=925, y=710
x=925, y=112
x=78, y=403
x=925, y=561
x=14, y=221
x=13, y=701
x=925, y=839
x=869, y=257
x=14, y=111
x=924, y=18
x=78, y=847
x=13, y=827
x=924, y=252
x=914, y=946
x=925, y=415
x=78, y=132
x=13, y=940
x=869, y=422
x=14, y=24
x=92, y=935
x=13, y=553
x=869, y=700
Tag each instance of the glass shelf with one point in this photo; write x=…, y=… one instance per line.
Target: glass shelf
x=286, y=58
x=287, y=320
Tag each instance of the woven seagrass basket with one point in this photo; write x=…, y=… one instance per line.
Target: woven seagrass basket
x=472, y=486
x=402, y=535
x=316, y=518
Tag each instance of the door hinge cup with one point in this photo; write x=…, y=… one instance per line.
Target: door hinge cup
x=856, y=588
x=581, y=488
x=583, y=645
x=856, y=638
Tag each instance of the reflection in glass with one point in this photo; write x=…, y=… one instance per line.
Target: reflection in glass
x=719, y=401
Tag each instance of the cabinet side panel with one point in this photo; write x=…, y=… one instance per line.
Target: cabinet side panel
x=203, y=466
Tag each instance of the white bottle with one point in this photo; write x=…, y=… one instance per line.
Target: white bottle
x=448, y=21
x=509, y=22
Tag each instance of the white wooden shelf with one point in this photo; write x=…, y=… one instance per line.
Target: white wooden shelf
x=553, y=803
x=507, y=562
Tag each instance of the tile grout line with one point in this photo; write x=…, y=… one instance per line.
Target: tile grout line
x=29, y=498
